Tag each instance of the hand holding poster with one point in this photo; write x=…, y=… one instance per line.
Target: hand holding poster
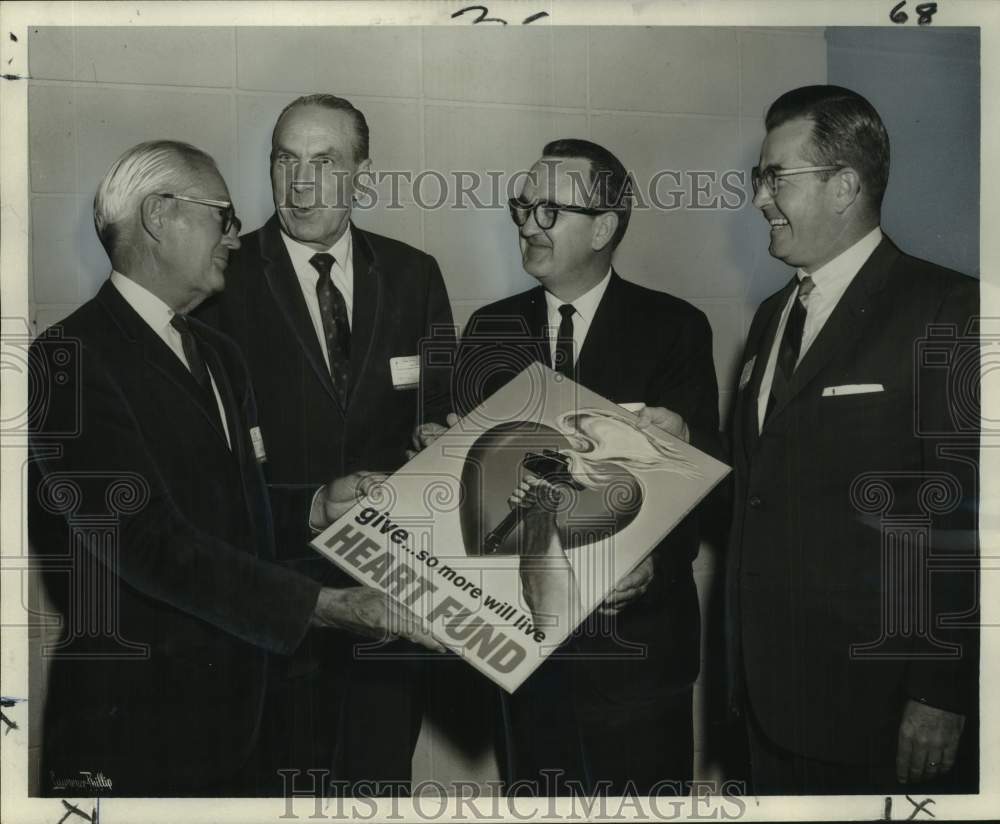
x=509, y=529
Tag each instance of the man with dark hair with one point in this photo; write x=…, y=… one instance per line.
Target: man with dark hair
x=332, y=322
x=150, y=514
x=611, y=709
x=851, y=586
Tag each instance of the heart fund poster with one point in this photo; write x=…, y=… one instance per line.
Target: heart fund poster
x=501, y=586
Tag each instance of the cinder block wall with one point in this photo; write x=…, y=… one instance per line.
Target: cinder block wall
x=436, y=99
x=926, y=86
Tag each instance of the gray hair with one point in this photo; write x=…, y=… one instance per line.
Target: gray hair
x=154, y=166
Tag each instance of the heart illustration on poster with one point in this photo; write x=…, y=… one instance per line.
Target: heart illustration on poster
x=503, y=455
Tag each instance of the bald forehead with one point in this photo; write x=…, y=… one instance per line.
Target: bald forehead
x=559, y=179
x=316, y=126
x=200, y=178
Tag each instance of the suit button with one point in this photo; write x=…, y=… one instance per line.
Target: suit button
x=755, y=502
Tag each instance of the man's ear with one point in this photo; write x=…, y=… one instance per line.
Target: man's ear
x=605, y=226
x=847, y=189
x=153, y=213
x=358, y=179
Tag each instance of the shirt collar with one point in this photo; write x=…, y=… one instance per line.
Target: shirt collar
x=834, y=276
x=585, y=305
x=148, y=306
x=302, y=254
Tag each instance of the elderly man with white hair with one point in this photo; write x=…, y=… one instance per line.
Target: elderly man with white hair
x=148, y=509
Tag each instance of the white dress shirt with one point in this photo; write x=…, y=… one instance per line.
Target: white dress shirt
x=829, y=284
x=342, y=273
x=584, y=308
x=157, y=316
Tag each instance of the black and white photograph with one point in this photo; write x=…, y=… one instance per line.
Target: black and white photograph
x=435, y=410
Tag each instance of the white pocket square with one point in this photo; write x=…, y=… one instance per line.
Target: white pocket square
x=853, y=389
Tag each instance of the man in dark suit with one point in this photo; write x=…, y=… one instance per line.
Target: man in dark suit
x=149, y=511
x=851, y=581
x=612, y=709
x=332, y=321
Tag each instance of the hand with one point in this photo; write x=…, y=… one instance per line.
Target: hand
x=547, y=579
x=426, y=433
x=337, y=497
x=366, y=611
x=663, y=419
x=928, y=741
x=629, y=588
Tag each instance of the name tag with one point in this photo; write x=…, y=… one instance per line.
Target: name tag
x=258, y=444
x=405, y=371
x=747, y=372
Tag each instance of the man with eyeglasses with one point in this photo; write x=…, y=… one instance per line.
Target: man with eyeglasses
x=612, y=709
x=332, y=321
x=851, y=585
x=149, y=513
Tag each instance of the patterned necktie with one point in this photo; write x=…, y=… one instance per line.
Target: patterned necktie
x=196, y=363
x=791, y=344
x=564, y=341
x=336, y=327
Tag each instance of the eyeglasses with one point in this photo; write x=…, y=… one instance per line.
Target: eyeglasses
x=769, y=176
x=226, y=210
x=545, y=211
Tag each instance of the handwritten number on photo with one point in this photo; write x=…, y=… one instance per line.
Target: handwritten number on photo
x=483, y=12
x=926, y=12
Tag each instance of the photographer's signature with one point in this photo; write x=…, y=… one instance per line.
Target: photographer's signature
x=86, y=781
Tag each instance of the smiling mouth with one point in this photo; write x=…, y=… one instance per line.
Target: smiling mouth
x=777, y=223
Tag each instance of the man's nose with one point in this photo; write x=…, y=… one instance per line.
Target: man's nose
x=230, y=239
x=530, y=227
x=762, y=197
x=302, y=175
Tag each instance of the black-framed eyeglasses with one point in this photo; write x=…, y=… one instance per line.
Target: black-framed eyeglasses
x=226, y=209
x=769, y=176
x=545, y=211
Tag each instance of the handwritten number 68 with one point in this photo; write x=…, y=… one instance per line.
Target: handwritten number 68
x=926, y=12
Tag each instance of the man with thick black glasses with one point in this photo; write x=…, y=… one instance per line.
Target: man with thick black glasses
x=851, y=578
x=612, y=709
x=149, y=513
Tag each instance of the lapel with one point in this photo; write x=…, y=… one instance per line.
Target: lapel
x=847, y=322
x=284, y=285
x=238, y=424
x=156, y=354
x=367, y=308
x=761, y=353
x=230, y=401
x=536, y=314
x=594, y=368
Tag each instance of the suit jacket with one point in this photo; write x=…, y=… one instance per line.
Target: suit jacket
x=645, y=346
x=837, y=494
x=400, y=308
x=400, y=302
x=158, y=549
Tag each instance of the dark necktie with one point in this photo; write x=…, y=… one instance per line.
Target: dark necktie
x=336, y=327
x=564, y=341
x=192, y=352
x=196, y=364
x=791, y=344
